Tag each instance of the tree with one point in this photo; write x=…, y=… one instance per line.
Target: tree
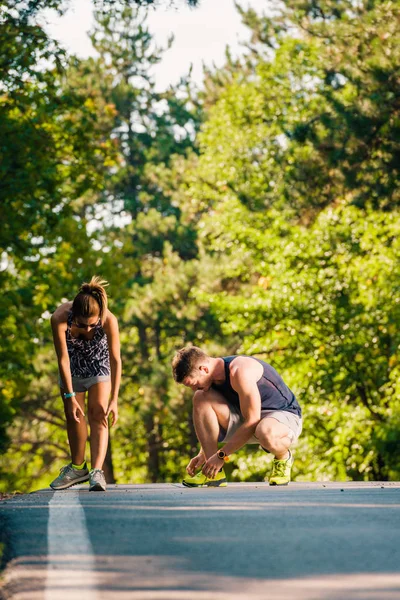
x=151, y=128
x=54, y=150
x=106, y=166
x=353, y=130
x=240, y=221
x=309, y=265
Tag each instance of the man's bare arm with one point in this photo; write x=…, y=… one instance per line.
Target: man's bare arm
x=244, y=376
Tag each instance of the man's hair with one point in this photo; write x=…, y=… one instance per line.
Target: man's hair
x=185, y=361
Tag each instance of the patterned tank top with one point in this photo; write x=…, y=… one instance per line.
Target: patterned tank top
x=88, y=358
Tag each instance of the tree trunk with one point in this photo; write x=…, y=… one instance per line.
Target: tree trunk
x=153, y=444
x=108, y=467
x=194, y=442
x=143, y=341
x=380, y=470
x=157, y=340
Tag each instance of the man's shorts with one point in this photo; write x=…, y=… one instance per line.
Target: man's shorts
x=294, y=423
x=82, y=384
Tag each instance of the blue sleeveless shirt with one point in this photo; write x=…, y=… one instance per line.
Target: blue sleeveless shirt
x=274, y=393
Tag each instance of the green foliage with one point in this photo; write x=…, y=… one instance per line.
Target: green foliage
x=352, y=132
x=102, y=161
x=310, y=251
x=55, y=151
x=259, y=216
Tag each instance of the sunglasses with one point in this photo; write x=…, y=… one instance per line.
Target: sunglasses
x=85, y=325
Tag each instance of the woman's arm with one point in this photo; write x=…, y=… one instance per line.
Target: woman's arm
x=112, y=332
x=59, y=326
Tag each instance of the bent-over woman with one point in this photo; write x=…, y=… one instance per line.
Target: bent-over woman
x=86, y=340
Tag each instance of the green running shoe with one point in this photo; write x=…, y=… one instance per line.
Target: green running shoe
x=201, y=480
x=69, y=476
x=281, y=470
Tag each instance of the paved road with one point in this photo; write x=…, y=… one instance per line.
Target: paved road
x=166, y=542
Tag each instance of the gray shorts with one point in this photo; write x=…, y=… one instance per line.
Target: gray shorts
x=294, y=423
x=82, y=384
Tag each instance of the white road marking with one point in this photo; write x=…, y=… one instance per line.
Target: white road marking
x=67, y=535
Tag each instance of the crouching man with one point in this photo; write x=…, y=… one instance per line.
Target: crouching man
x=238, y=400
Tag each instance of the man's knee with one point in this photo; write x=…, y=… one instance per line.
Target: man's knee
x=266, y=434
x=200, y=399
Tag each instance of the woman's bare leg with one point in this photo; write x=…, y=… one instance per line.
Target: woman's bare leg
x=99, y=395
x=77, y=432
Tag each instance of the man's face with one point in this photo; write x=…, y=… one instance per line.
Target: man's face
x=199, y=379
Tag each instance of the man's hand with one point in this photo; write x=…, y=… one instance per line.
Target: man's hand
x=113, y=411
x=212, y=466
x=74, y=410
x=195, y=463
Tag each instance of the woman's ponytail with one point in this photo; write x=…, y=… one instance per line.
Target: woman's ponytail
x=91, y=299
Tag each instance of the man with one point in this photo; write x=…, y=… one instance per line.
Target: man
x=238, y=400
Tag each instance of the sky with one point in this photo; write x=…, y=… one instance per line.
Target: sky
x=201, y=34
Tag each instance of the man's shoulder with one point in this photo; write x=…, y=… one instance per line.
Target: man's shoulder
x=245, y=366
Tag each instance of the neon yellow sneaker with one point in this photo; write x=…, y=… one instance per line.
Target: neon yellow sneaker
x=201, y=480
x=281, y=470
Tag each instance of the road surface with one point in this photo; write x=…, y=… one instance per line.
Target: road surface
x=329, y=541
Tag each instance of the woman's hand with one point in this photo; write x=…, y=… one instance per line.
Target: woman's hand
x=113, y=411
x=195, y=463
x=73, y=409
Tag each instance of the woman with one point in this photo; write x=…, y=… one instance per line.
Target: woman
x=86, y=340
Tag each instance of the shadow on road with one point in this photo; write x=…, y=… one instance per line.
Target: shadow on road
x=219, y=540
x=167, y=542
x=24, y=534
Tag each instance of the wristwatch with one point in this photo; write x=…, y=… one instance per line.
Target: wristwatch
x=222, y=455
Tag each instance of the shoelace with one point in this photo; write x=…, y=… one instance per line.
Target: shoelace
x=279, y=468
x=96, y=472
x=65, y=469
